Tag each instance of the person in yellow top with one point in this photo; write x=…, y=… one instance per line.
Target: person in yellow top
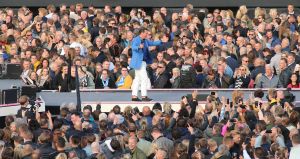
x=124, y=81
x=35, y=62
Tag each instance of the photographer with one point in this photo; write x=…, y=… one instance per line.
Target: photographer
x=24, y=111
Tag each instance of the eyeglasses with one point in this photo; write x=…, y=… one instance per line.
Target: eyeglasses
x=29, y=35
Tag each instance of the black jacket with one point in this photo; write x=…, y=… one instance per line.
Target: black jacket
x=161, y=81
x=63, y=82
x=45, y=150
x=32, y=144
x=256, y=71
x=242, y=82
x=284, y=77
x=79, y=152
x=188, y=76
x=223, y=82
x=100, y=58
x=99, y=84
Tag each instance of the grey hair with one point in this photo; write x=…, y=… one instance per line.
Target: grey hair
x=167, y=108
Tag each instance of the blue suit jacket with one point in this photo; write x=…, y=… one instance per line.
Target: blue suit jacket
x=139, y=54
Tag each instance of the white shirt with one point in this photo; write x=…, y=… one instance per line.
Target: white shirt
x=82, y=49
x=295, y=152
x=49, y=16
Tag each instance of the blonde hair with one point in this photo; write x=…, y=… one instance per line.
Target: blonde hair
x=167, y=108
x=259, y=12
x=242, y=11
x=61, y=156
x=175, y=69
x=273, y=11
x=247, y=69
x=43, y=11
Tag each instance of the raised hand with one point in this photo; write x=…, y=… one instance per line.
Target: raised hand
x=191, y=129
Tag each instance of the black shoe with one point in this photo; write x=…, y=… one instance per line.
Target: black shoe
x=136, y=99
x=146, y=99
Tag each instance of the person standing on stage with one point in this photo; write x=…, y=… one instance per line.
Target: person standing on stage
x=140, y=58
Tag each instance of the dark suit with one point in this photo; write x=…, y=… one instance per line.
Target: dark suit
x=162, y=81
x=223, y=82
x=284, y=77
x=63, y=82
x=232, y=63
x=100, y=58
x=292, y=66
x=256, y=71
x=99, y=83
x=45, y=150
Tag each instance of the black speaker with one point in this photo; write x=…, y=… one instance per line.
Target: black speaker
x=13, y=71
x=29, y=91
x=9, y=96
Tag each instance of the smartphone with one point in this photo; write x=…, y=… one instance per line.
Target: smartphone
x=256, y=104
x=232, y=120
x=227, y=100
x=212, y=93
x=98, y=107
x=231, y=104
x=243, y=106
x=241, y=100
x=268, y=131
x=136, y=110
x=247, y=140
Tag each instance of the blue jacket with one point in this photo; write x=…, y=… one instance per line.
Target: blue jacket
x=275, y=41
x=139, y=54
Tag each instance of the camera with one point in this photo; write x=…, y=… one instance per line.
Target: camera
x=33, y=105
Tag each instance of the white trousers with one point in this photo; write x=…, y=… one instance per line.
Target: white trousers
x=141, y=80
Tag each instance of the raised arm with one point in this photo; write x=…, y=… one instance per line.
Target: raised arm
x=153, y=43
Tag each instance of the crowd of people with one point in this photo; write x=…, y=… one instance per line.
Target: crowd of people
x=255, y=128
x=194, y=48
x=191, y=48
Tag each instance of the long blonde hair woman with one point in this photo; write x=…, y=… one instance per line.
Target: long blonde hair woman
x=242, y=11
x=259, y=12
x=273, y=13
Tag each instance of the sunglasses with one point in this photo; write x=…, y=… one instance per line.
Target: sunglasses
x=160, y=66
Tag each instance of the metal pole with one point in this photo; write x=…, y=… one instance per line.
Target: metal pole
x=78, y=106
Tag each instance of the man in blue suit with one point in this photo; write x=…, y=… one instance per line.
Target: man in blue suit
x=140, y=58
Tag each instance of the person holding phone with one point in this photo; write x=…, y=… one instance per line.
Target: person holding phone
x=241, y=77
